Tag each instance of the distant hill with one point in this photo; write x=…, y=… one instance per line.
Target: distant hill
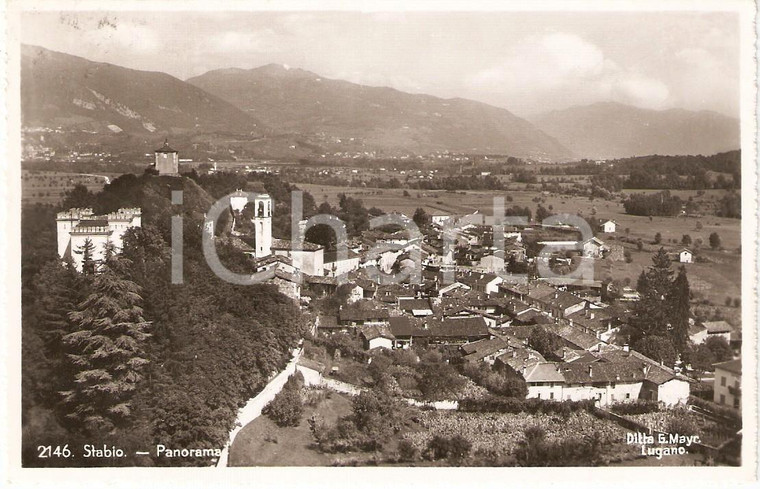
x=302, y=102
x=613, y=130
x=60, y=90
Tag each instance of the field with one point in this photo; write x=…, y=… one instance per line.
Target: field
x=714, y=281
x=49, y=187
x=254, y=445
x=501, y=433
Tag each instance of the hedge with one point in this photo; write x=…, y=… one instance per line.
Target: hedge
x=494, y=404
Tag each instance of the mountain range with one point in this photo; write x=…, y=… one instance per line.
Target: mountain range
x=613, y=130
x=298, y=101
x=272, y=108
x=61, y=90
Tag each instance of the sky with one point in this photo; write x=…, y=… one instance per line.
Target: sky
x=526, y=62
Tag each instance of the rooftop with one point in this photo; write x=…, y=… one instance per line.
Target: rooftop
x=733, y=366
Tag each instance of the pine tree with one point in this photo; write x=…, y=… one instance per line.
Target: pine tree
x=679, y=310
x=107, y=343
x=87, y=251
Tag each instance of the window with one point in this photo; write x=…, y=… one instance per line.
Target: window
x=723, y=381
x=736, y=403
x=627, y=395
x=722, y=398
x=539, y=396
x=551, y=395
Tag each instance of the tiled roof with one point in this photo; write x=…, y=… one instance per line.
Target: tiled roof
x=458, y=327
x=519, y=357
x=733, y=366
x=715, y=327
x=166, y=148
x=332, y=256
x=609, y=372
x=413, y=304
x=286, y=244
x=544, y=372
x=573, y=335
x=484, y=347
x=402, y=326
x=373, y=331
x=362, y=314
x=563, y=300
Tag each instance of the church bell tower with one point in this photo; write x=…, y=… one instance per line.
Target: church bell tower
x=262, y=222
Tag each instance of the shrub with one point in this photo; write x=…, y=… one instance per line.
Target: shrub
x=454, y=448
x=407, y=451
x=285, y=409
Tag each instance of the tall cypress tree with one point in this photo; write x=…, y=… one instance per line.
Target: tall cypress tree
x=679, y=310
x=651, y=314
x=108, y=349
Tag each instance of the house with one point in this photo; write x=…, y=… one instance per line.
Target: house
x=718, y=329
x=485, y=350
x=728, y=383
x=564, y=304
x=439, y=220
x=355, y=293
x=359, y=317
x=491, y=264
x=685, y=256
x=609, y=377
x=545, y=380
x=288, y=284
x=574, y=337
x=309, y=259
x=517, y=356
x=416, y=307
x=455, y=330
x=403, y=331
x=329, y=324
x=697, y=333
x=660, y=383
x=376, y=336
x=481, y=282
x=451, y=288
x=608, y=226
x=594, y=248
x=335, y=266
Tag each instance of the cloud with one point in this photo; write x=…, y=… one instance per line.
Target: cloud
x=558, y=66
x=265, y=40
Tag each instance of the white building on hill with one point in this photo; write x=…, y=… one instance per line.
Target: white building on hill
x=76, y=226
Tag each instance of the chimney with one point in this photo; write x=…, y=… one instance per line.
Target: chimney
x=571, y=322
x=592, y=315
x=590, y=371
x=626, y=348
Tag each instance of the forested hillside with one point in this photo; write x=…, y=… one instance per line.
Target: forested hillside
x=124, y=357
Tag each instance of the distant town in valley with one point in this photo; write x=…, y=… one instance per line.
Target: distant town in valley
x=472, y=342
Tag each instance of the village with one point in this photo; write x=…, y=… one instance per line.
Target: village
x=459, y=299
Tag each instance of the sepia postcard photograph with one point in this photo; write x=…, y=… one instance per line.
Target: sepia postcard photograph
x=380, y=244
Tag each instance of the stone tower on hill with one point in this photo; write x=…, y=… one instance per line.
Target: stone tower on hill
x=167, y=160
